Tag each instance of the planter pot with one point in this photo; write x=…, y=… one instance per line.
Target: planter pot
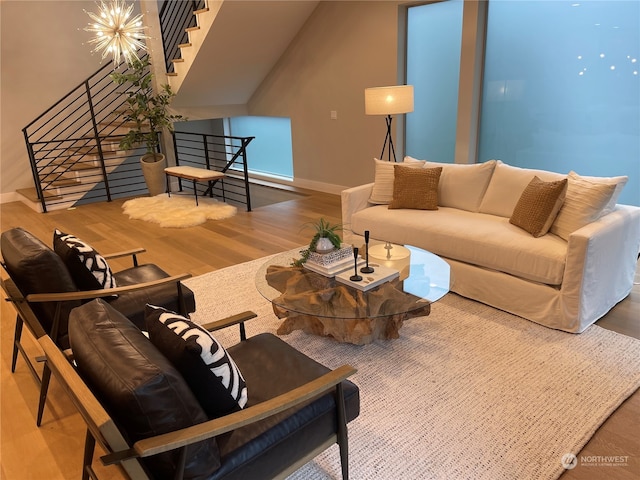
x=324, y=245
x=153, y=165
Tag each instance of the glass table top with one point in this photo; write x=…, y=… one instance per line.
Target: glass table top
x=423, y=278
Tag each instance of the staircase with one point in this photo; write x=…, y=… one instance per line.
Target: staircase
x=73, y=146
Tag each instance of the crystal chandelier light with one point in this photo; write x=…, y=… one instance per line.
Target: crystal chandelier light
x=116, y=32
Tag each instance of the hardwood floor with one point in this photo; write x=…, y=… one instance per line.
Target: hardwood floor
x=54, y=451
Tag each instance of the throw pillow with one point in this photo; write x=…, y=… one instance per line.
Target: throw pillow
x=208, y=369
x=584, y=203
x=89, y=269
x=462, y=186
x=539, y=205
x=619, y=182
x=382, y=192
x=507, y=184
x=415, y=188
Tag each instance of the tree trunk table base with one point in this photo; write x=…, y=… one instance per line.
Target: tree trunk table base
x=359, y=331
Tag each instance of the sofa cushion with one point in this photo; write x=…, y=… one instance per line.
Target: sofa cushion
x=272, y=367
x=484, y=240
x=382, y=192
x=415, y=188
x=138, y=386
x=506, y=186
x=619, y=182
x=584, y=203
x=461, y=185
x=89, y=269
x=35, y=268
x=539, y=205
x=208, y=369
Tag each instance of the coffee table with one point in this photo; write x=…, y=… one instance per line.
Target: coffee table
x=320, y=305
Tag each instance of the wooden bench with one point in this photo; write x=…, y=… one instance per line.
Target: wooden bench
x=195, y=174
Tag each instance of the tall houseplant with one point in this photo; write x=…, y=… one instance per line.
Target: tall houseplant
x=148, y=113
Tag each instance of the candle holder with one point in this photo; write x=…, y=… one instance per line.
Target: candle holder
x=366, y=268
x=355, y=277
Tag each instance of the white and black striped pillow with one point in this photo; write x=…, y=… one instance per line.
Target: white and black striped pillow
x=89, y=269
x=206, y=366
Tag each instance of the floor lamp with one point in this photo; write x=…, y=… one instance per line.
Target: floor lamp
x=388, y=101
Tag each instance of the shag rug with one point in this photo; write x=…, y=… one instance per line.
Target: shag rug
x=177, y=211
x=468, y=392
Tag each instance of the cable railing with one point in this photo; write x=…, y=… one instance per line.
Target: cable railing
x=175, y=17
x=225, y=154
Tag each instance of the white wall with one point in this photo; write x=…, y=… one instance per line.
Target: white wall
x=42, y=59
x=343, y=48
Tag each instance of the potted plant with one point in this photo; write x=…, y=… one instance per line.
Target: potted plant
x=148, y=113
x=324, y=240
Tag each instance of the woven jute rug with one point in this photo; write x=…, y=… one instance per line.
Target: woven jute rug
x=468, y=392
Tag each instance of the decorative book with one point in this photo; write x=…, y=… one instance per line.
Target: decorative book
x=327, y=260
x=335, y=268
x=369, y=280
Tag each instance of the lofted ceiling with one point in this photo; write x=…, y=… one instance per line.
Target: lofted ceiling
x=243, y=44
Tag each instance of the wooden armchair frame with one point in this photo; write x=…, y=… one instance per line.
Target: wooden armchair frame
x=102, y=429
x=26, y=316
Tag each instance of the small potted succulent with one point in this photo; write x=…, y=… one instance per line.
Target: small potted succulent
x=325, y=239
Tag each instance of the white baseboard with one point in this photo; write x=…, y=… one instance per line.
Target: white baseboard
x=10, y=197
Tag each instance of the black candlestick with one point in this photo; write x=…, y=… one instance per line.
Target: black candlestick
x=366, y=268
x=356, y=277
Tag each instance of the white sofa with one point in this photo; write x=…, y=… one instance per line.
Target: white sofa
x=563, y=283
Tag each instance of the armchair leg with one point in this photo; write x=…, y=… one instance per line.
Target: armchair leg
x=44, y=386
x=87, y=460
x=16, y=341
x=343, y=442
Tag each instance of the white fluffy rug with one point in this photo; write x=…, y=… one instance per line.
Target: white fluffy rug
x=177, y=211
x=468, y=392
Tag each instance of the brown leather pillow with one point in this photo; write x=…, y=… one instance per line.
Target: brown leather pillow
x=415, y=188
x=539, y=205
x=138, y=386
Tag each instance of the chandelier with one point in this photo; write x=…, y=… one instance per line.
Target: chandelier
x=116, y=33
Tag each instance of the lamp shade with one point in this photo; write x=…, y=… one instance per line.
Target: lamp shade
x=388, y=100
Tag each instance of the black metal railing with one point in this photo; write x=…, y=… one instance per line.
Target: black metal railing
x=175, y=17
x=221, y=153
x=73, y=145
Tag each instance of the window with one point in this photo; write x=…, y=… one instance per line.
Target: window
x=562, y=90
x=434, y=33
x=270, y=153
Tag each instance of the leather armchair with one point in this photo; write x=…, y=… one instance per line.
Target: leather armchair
x=297, y=407
x=39, y=277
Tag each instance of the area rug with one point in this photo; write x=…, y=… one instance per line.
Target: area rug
x=177, y=211
x=468, y=392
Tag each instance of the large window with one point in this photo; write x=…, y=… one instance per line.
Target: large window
x=434, y=35
x=270, y=153
x=562, y=89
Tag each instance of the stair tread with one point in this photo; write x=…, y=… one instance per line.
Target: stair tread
x=202, y=10
x=185, y=45
x=177, y=60
x=31, y=194
x=192, y=29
